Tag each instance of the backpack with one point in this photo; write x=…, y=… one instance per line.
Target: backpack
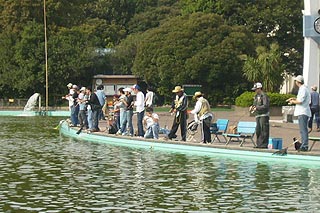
x=112, y=129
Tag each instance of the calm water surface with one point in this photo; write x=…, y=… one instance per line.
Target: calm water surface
x=42, y=172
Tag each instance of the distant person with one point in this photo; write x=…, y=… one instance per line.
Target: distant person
x=139, y=104
x=95, y=106
x=82, y=116
x=202, y=114
x=116, y=110
x=302, y=110
x=127, y=127
x=149, y=98
x=102, y=99
x=75, y=106
x=151, y=120
x=314, y=107
x=179, y=109
x=122, y=107
x=68, y=97
x=260, y=108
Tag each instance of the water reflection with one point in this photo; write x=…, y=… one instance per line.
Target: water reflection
x=40, y=172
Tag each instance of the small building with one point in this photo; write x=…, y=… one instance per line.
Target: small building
x=112, y=83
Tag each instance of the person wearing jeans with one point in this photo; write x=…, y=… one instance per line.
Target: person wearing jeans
x=302, y=110
x=139, y=104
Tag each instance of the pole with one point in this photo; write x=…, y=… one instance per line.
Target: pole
x=46, y=52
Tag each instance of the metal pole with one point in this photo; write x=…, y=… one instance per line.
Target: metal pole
x=46, y=52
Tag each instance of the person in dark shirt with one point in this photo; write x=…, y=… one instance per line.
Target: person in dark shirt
x=75, y=106
x=314, y=107
x=260, y=108
x=95, y=107
x=179, y=109
x=127, y=127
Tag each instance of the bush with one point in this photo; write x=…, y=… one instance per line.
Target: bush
x=276, y=99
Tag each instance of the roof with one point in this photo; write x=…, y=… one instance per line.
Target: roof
x=115, y=76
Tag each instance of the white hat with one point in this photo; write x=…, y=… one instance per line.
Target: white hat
x=127, y=89
x=74, y=86
x=299, y=78
x=69, y=85
x=82, y=89
x=257, y=86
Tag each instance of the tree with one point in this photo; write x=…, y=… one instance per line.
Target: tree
x=267, y=68
x=191, y=49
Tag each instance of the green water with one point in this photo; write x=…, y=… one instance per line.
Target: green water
x=43, y=172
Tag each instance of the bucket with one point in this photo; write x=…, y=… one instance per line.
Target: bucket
x=275, y=143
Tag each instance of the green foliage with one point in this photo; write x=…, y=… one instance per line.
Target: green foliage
x=197, y=48
x=164, y=42
x=276, y=99
x=266, y=68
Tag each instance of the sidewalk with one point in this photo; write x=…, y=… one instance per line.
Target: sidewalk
x=278, y=129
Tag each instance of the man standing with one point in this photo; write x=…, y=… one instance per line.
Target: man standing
x=261, y=109
x=95, y=107
x=314, y=107
x=102, y=99
x=179, y=108
x=202, y=113
x=302, y=110
x=139, y=104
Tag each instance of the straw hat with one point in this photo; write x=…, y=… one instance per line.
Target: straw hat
x=177, y=89
x=197, y=94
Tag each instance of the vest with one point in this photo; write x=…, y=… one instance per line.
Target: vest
x=205, y=107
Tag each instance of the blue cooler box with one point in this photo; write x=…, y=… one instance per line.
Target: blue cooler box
x=275, y=143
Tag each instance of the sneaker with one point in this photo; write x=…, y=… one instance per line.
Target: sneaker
x=303, y=149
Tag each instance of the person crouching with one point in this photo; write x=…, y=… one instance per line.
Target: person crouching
x=151, y=120
x=202, y=113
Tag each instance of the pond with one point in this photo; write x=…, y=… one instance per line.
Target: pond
x=43, y=172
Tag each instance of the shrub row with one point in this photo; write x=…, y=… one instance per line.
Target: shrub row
x=276, y=99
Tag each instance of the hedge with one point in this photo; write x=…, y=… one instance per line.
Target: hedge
x=276, y=99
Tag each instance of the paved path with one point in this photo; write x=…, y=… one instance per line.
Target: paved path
x=278, y=129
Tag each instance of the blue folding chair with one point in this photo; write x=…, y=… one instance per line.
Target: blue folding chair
x=219, y=129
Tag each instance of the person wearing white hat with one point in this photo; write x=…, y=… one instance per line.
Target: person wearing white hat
x=202, y=113
x=82, y=116
x=302, y=110
x=260, y=108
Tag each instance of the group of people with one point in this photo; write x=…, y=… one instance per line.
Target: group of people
x=124, y=103
x=86, y=111
x=306, y=108
x=85, y=106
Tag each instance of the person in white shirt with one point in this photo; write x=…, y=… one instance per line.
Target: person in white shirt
x=149, y=98
x=151, y=120
x=139, y=104
x=202, y=114
x=302, y=110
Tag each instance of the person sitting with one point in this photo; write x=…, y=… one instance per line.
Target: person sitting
x=151, y=120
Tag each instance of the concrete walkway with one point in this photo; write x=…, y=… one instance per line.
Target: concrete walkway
x=278, y=129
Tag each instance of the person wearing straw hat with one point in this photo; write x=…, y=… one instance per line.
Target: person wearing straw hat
x=179, y=109
x=202, y=114
x=302, y=110
x=260, y=108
